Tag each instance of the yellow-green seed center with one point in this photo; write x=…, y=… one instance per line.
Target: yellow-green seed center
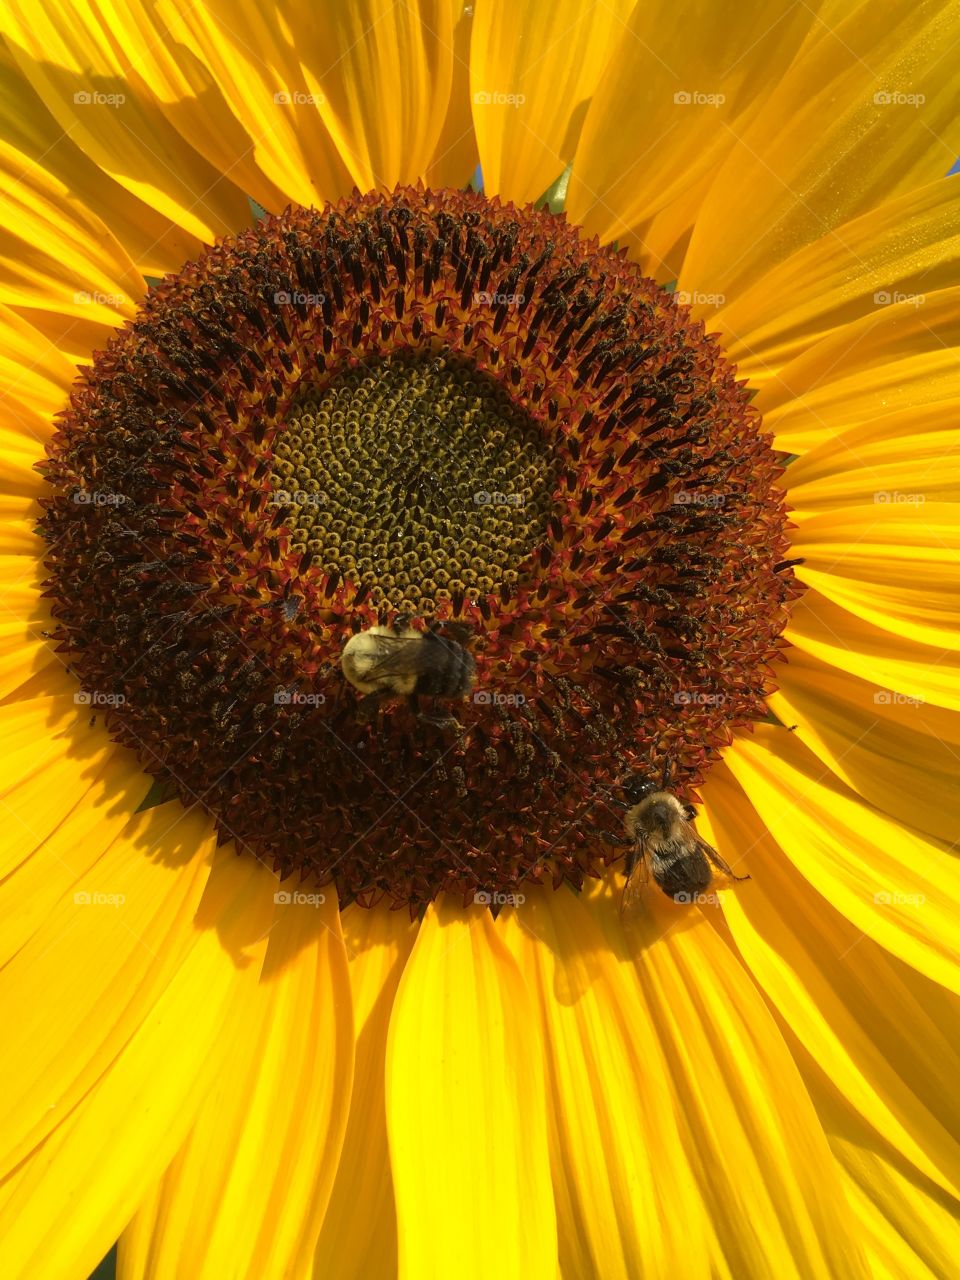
x=454, y=509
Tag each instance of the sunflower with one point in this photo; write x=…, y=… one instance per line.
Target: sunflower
x=639, y=450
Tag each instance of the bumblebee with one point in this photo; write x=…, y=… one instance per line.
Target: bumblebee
x=401, y=662
x=662, y=841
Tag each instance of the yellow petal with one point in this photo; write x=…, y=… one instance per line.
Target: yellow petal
x=19, y=508
x=897, y=886
x=51, y=758
x=359, y=1236
x=75, y=1000
x=899, y=753
x=895, y=563
x=455, y=156
x=614, y=1146
x=36, y=379
x=667, y=108
x=51, y=870
x=152, y=241
x=884, y=461
x=65, y=271
x=20, y=448
x=36, y=375
x=842, y=640
x=91, y=82
x=247, y=1192
x=91, y=1173
x=866, y=112
x=886, y=1036
x=466, y=1108
x=533, y=69
x=744, y=1102
x=52, y=680
x=302, y=107
x=18, y=542
x=660, y=243
x=671, y=1156
x=24, y=616
x=909, y=1229
x=906, y=248
x=902, y=357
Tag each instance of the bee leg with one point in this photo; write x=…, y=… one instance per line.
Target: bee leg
x=367, y=707
x=338, y=696
x=667, y=771
x=616, y=838
x=401, y=622
x=721, y=865
x=441, y=722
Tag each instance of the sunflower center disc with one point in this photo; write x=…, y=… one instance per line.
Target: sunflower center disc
x=380, y=473
x=426, y=403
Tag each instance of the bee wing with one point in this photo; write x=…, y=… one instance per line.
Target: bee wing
x=434, y=648
x=636, y=879
x=709, y=852
x=396, y=656
x=402, y=656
